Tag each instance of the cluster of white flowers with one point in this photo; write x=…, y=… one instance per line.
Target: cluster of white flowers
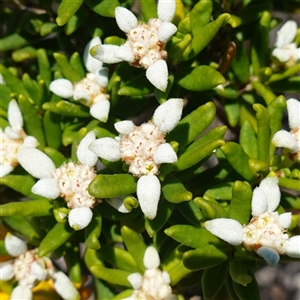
x=70, y=181
x=12, y=139
x=154, y=283
x=290, y=140
x=266, y=232
x=145, y=43
x=286, y=51
x=28, y=269
x=91, y=90
x=144, y=149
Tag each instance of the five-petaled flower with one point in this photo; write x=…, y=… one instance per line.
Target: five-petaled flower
x=286, y=52
x=144, y=148
x=290, y=140
x=91, y=90
x=266, y=232
x=154, y=283
x=12, y=138
x=145, y=43
x=70, y=181
x=28, y=269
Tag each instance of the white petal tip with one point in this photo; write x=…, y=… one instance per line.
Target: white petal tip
x=151, y=258
x=84, y=155
x=106, y=148
x=125, y=19
x=80, y=217
x=125, y=127
x=165, y=154
x=157, y=74
x=65, y=287
x=62, y=87
x=14, y=245
x=135, y=280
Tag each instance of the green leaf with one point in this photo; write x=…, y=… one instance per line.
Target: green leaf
x=285, y=73
x=72, y=258
x=66, y=9
x=221, y=191
x=199, y=78
x=238, y=159
x=32, y=208
x=105, y=8
x=69, y=133
x=22, y=54
x=57, y=157
x=264, y=91
x=48, y=28
x=239, y=272
x=232, y=110
x=56, y=237
x=240, y=205
x=191, y=212
x=193, y=124
x=200, y=15
x=66, y=108
x=93, y=231
x=77, y=64
x=291, y=85
x=31, y=86
x=174, y=191
x=44, y=66
x=135, y=245
x=13, y=41
x=148, y=8
x=110, y=186
x=293, y=184
x=76, y=21
x=211, y=209
x=248, y=139
x=19, y=183
x=52, y=129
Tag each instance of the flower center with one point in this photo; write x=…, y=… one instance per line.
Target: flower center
x=9, y=148
x=265, y=231
x=145, y=44
x=73, y=180
x=89, y=91
x=138, y=147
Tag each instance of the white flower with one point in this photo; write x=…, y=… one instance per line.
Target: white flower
x=290, y=140
x=29, y=269
x=144, y=148
x=12, y=138
x=145, y=43
x=154, y=283
x=286, y=52
x=91, y=90
x=70, y=181
x=266, y=232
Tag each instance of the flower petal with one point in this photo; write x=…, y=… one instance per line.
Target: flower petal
x=30, y=141
x=100, y=110
x=106, y=148
x=101, y=76
x=124, y=127
x=231, y=231
x=259, y=202
x=5, y=169
x=151, y=258
x=286, y=34
x=62, y=87
x=270, y=186
x=125, y=19
x=38, y=271
x=281, y=54
x=11, y=133
x=293, y=246
x=92, y=64
x=65, y=287
x=165, y=154
x=284, y=139
x=118, y=204
x=168, y=114
x=84, y=154
x=46, y=187
x=125, y=53
x=80, y=217
x=148, y=192
x=166, y=277
x=135, y=280
x=165, y=31
x=14, y=116
x=166, y=9
x=105, y=53
x=285, y=220
x=157, y=74
x=293, y=107
x=6, y=271
x=21, y=292
x=36, y=162
x=14, y=245
x=269, y=255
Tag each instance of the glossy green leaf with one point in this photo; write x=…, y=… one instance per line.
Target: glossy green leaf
x=263, y=125
x=66, y=108
x=32, y=208
x=264, y=91
x=213, y=279
x=44, y=66
x=221, y=191
x=174, y=191
x=179, y=48
x=293, y=184
x=240, y=205
x=19, y=183
x=135, y=245
x=199, y=78
x=22, y=54
x=69, y=133
x=72, y=258
x=239, y=272
x=48, y=28
x=77, y=63
x=200, y=15
x=238, y=159
x=177, y=272
x=69, y=72
x=57, y=157
x=105, y=8
x=193, y=124
x=232, y=110
x=13, y=41
x=93, y=231
x=211, y=209
x=123, y=295
x=148, y=8
x=76, y=21
x=56, y=237
x=52, y=129
x=109, y=186
x=248, y=139
x=285, y=73
x=291, y=84
x=113, y=276
x=191, y=212
x=66, y=9
x=164, y=211
x=31, y=86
